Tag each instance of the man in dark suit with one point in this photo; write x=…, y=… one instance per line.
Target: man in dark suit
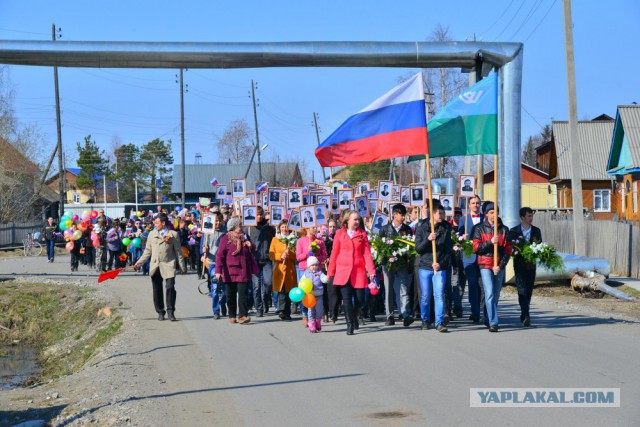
x=417, y=195
x=466, y=187
x=295, y=197
x=525, y=272
x=396, y=280
x=385, y=190
x=470, y=273
x=274, y=196
x=250, y=215
x=319, y=214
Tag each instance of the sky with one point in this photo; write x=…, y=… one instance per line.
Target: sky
x=138, y=105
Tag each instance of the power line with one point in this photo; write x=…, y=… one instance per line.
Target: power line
x=541, y=21
x=123, y=83
x=530, y=115
x=499, y=17
x=511, y=20
x=24, y=32
x=530, y=14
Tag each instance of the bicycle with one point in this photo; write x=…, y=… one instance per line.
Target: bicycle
x=31, y=247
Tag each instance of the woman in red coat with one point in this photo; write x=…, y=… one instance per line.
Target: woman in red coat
x=351, y=265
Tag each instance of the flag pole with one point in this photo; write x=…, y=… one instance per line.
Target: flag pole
x=495, y=209
x=433, y=230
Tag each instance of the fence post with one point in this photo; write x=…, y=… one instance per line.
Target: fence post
x=630, y=269
x=13, y=233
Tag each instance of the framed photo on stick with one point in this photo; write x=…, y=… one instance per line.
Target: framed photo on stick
x=294, y=197
x=238, y=188
x=385, y=190
x=379, y=220
x=321, y=214
x=276, y=215
x=274, y=195
x=344, y=197
x=308, y=214
x=249, y=215
x=221, y=192
x=363, y=187
x=446, y=200
x=467, y=187
x=417, y=194
x=294, y=220
x=362, y=207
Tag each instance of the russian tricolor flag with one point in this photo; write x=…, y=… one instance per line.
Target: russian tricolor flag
x=394, y=125
x=214, y=181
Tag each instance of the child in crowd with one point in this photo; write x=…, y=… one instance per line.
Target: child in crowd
x=317, y=277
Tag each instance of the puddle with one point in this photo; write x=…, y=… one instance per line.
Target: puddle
x=17, y=365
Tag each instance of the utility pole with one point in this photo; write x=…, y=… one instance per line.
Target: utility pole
x=574, y=145
x=480, y=158
x=184, y=201
x=315, y=123
x=61, y=168
x=255, y=120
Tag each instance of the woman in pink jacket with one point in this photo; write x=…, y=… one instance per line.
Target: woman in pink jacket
x=351, y=265
x=304, y=250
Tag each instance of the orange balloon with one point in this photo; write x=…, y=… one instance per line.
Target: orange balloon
x=309, y=300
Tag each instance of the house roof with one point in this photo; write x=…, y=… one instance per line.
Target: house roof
x=198, y=177
x=13, y=159
x=624, y=154
x=594, y=138
x=488, y=176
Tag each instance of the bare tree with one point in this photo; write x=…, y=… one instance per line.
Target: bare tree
x=236, y=144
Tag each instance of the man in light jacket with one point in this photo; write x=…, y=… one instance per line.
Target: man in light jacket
x=163, y=247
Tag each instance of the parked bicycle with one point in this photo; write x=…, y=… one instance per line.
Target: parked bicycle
x=31, y=246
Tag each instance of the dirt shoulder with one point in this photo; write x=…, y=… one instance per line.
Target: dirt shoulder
x=561, y=294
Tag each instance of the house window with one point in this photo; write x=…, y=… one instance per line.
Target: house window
x=635, y=196
x=602, y=200
x=75, y=197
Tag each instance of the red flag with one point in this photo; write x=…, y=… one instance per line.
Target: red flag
x=109, y=275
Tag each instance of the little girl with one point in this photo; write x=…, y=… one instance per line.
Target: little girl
x=317, y=277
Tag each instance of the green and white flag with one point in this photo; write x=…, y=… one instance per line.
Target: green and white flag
x=468, y=125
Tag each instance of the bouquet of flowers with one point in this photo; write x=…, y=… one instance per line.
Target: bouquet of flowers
x=462, y=244
x=315, y=247
x=323, y=235
x=396, y=252
x=290, y=240
x=539, y=253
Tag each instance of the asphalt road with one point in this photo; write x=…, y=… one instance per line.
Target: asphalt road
x=275, y=373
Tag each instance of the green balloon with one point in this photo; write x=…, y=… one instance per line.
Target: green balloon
x=296, y=294
x=126, y=241
x=136, y=242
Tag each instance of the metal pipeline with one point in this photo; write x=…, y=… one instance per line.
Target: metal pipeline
x=572, y=265
x=255, y=54
x=506, y=57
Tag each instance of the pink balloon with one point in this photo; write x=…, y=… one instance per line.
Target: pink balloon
x=75, y=218
x=69, y=246
x=85, y=217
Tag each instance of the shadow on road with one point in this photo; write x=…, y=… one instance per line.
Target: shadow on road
x=205, y=390
x=113, y=356
x=10, y=418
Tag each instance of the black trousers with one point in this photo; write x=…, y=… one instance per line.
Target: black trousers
x=352, y=299
x=525, y=278
x=237, y=299
x=284, y=303
x=158, y=301
x=335, y=299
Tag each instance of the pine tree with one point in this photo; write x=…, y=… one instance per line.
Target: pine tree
x=156, y=162
x=93, y=165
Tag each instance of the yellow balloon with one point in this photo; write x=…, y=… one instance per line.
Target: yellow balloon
x=77, y=235
x=306, y=285
x=191, y=226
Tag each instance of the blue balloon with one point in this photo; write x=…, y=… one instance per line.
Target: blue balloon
x=296, y=294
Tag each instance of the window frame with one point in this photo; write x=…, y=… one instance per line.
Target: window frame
x=601, y=196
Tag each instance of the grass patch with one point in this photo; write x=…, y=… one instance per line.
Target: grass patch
x=59, y=321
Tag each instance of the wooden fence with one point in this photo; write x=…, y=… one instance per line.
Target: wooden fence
x=12, y=234
x=618, y=242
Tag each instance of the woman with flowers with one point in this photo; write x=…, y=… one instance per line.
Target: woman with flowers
x=282, y=253
x=525, y=233
x=308, y=245
x=351, y=265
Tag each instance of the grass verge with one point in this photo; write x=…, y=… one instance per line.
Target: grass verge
x=60, y=321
